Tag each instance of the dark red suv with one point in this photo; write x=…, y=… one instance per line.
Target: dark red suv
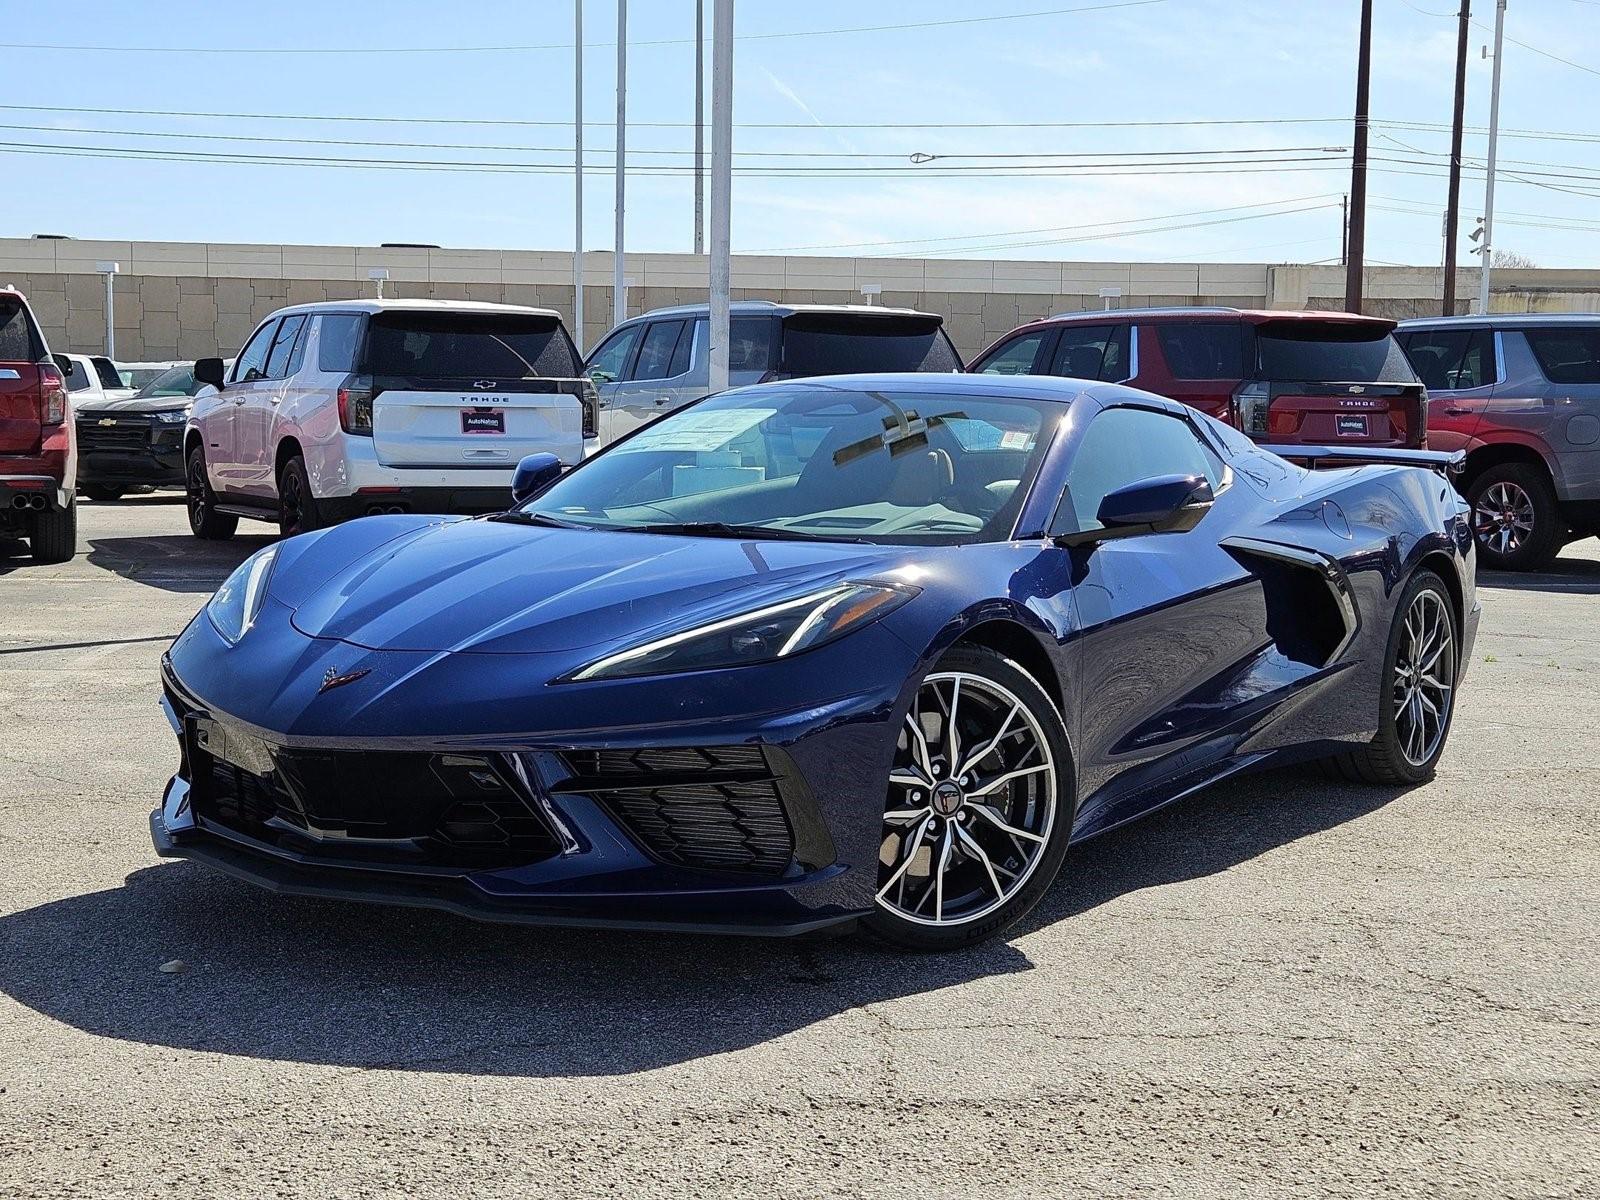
x=38, y=449
x=1286, y=378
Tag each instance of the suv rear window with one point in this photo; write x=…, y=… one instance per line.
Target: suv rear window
x=1329, y=352
x=1567, y=355
x=445, y=345
x=18, y=343
x=842, y=344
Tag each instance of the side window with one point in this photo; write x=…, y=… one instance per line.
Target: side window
x=1123, y=446
x=750, y=344
x=72, y=368
x=283, y=345
x=337, y=337
x=656, y=351
x=611, y=359
x=1567, y=355
x=1203, y=350
x=1017, y=356
x=691, y=349
x=1092, y=352
x=1452, y=359
x=252, y=361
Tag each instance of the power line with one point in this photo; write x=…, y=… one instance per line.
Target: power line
x=505, y=49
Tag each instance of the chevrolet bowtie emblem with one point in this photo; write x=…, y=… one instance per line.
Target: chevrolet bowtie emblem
x=483, y=385
x=108, y=420
x=332, y=679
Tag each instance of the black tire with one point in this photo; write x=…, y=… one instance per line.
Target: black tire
x=204, y=519
x=889, y=926
x=1502, y=500
x=102, y=492
x=53, y=537
x=297, y=507
x=1385, y=760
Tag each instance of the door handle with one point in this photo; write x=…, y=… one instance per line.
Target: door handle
x=1456, y=410
x=660, y=400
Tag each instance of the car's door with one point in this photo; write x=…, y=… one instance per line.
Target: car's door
x=646, y=393
x=608, y=366
x=1162, y=616
x=221, y=425
x=1459, y=368
x=257, y=418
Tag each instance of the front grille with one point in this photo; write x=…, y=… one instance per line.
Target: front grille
x=126, y=434
x=401, y=807
x=717, y=808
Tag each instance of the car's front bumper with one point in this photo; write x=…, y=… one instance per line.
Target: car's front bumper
x=129, y=449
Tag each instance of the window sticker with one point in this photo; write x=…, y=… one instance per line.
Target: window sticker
x=696, y=432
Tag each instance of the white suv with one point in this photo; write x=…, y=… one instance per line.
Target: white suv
x=354, y=407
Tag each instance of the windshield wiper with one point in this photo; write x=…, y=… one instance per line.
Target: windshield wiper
x=518, y=517
x=721, y=529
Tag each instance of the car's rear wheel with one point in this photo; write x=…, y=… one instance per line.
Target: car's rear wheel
x=979, y=806
x=54, y=536
x=204, y=519
x=1515, y=517
x=102, y=491
x=1418, y=698
x=297, y=507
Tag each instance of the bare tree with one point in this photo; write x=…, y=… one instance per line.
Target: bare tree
x=1511, y=260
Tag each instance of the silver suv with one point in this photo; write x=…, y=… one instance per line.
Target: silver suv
x=655, y=363
x=1520, y=392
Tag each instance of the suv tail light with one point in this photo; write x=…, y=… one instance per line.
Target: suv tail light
x=52, y=395
x=589, y=397
x=355, y=405
x=1250, y=404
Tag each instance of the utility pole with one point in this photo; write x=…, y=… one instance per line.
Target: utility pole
x=721, y=185
x=1344, y=229
x=619, y=285
x=1356, y=252
x=577, y=172
x=699, y=126
x=1486, y=247
x=1452, y=204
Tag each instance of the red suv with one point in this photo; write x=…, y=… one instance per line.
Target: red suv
x=1287, y=378
x=38, y=448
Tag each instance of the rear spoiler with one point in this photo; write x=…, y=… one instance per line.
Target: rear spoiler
x=1446, y=463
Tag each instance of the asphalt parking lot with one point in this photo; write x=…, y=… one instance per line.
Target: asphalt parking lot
x=1285, y=986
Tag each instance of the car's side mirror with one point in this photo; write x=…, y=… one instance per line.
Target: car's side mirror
x=534, y=473
x=209, y=370
x=1162, y=504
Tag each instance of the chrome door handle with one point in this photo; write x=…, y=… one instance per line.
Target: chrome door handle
x=1453, y=410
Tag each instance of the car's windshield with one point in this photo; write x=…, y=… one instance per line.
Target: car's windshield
x=174, y=381
x=816, y=461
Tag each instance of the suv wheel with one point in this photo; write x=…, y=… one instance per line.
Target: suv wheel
x=54, y=537
x=102, y=491
x=1515, y=518
x=204, y=519
x=297, y=507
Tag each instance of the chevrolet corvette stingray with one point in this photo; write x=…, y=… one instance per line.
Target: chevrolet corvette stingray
x=869, y=649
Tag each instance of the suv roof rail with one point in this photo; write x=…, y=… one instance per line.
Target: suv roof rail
x=1212, y=310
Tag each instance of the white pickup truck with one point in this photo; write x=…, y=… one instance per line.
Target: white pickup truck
x=353, y=407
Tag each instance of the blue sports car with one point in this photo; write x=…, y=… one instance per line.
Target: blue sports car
x=867, y=649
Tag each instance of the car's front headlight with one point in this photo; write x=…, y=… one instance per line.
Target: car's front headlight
x=238, y=601
x=175, y=416
x=776, y=631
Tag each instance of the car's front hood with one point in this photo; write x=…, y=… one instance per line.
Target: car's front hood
x=496, y=587
x=134, y=404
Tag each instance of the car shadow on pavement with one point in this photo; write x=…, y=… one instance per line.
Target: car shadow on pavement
x=174, y=563
x=1579, y=576
x=330, y=983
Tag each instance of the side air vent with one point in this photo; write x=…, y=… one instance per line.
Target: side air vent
x=1311, y=613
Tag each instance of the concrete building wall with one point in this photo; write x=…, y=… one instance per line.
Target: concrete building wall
x=192, y=299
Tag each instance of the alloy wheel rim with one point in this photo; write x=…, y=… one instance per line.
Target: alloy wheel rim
x=197, y=494
x=1503, y=517
x=1424, y=678
x=972, y=802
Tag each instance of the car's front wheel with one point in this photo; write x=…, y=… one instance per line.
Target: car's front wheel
x=979, y=806
x=102, y=492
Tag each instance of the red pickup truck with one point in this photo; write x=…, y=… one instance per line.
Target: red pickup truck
x=38, y=447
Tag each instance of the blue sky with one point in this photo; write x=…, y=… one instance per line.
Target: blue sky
x=1152, y=61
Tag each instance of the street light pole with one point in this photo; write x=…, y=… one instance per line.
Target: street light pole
x=1485, y=248
x=699, y=126
x=721, y=186
x=577, y=172
x=619, y=285
x=109, y=270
